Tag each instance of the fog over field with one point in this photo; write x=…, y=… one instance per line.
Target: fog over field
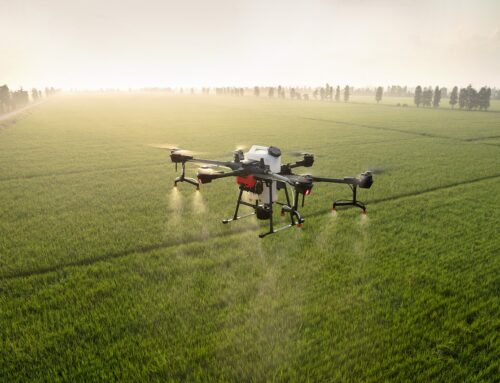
x=133, y=44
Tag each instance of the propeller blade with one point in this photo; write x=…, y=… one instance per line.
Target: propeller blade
x=209, y=170
x=298, y=153
x=165, y=146
x=378, y=169
x=240, y=147
x=237, y=148
x=176, y=149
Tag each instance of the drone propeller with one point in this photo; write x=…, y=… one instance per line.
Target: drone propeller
x=165, y=146
x=240, y=147
x=298, y=153
x=237, y=148
x=208, y=170
x=176, y=149
x=378, y=169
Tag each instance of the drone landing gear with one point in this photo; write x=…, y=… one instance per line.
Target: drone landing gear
x=353, y=202
x=265, y=211
x=183, y=178
x=238, y=203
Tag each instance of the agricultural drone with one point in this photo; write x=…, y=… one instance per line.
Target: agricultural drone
x=260, y=174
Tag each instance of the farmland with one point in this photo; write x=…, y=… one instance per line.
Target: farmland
x=107, y=273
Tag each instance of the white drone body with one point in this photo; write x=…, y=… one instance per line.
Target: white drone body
x=257, y=153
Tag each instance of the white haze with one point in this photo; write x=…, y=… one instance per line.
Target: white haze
x=131, y=44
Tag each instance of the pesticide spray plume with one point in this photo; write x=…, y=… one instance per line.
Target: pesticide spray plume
x=199, y=205
x=174, y=201
x=364, y=219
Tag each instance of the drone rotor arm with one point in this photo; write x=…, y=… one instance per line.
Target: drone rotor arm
x=345, y=180
x=224, y=164
x=364, y=180
x=206, y=178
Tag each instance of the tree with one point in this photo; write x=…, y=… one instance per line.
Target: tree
x=34, y=94
x=418, y=96
x=322, y=94
x=454, y=97
x=4, y=98
x=329, y=92
x=462, y=98
x=337, y=93
x=378, y=94
x=281, y=92
x=346, y=93
x=437, y=97
x=471, y=98
x=20, y=98
x=484, y=98
x=427, y=97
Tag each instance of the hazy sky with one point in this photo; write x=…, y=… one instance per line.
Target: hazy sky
x=140, y=43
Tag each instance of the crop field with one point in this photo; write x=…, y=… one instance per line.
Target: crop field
x=108, y=273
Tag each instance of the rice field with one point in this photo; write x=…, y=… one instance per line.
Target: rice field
x=108, y=273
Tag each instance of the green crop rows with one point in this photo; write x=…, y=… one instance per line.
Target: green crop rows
x=106, y=273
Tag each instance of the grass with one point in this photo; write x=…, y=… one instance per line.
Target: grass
x=106, y=273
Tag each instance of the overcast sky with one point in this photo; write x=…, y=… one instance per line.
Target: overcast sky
x=141, y=43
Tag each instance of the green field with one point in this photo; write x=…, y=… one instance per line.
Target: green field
x=106, y=273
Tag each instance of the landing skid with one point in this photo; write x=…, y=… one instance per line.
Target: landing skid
x=353, y=202
x=183, y=178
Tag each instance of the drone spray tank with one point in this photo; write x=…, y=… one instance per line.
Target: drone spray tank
x=271, y=156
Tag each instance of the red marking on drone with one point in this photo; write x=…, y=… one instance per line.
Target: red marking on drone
x=248, y=181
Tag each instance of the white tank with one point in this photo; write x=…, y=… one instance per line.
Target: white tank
x=272, y=158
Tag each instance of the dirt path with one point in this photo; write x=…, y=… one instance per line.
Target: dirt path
x=14, y=113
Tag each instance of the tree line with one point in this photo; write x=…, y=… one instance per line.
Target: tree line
x=466, y=98
x=11, y=100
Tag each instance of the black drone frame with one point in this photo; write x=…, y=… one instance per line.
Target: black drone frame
x=265, y=211
x=183, y=178
x=301, y=184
